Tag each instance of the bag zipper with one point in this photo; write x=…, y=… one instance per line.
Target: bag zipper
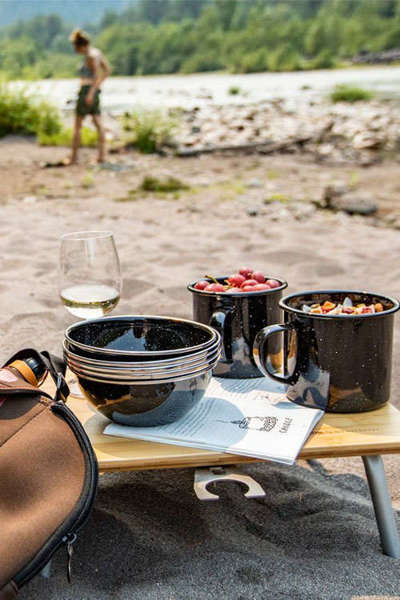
x=69, y=540
x=67, y=532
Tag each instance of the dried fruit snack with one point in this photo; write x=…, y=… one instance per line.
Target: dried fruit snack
x=346, y=308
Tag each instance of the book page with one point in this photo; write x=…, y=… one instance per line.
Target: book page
x=238, y=416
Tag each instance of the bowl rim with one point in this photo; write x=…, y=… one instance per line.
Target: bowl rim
x=284, y=306
x=192, y=289
x=114, y=352
x=186, y=359
x=149, y=381
x=134, y=379
x=141, y=374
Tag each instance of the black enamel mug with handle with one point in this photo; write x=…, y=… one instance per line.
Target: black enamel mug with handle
x=340, y=363
x=238, y=316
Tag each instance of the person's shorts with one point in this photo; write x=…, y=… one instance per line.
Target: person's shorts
x=82, y=108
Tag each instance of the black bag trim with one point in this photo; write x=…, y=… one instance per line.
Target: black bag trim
x=80, y=514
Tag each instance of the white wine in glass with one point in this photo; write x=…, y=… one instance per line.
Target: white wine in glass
x=90, y=275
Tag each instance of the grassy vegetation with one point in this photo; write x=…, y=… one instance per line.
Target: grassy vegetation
x=350, y=93
x=277, y=198
x=354, y=179
x=148, y=130
x=88, y=180
x=272, y=174
x=168, y=185
x=63, y=137
x=23, y=113
x=234, y=90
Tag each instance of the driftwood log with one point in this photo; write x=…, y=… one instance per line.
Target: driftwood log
x=266, y=147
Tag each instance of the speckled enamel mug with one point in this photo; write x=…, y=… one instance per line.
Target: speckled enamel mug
x=238, y=317
x=341, y=363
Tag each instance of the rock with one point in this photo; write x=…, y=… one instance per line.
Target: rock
x=366, y=140
x=335, y=190
x=369, y=158
x=252, y=211
x=29, y=200
x=254, y=183
x=116, y=167
x=302, y=210
x=356, y=204
x=276, y=212
x=325, y=150
x=329, y=194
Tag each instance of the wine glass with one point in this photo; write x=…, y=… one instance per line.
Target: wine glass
x=89, y=273
x=89, y=279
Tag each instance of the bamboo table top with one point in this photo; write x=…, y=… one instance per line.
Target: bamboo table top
x=336, y=435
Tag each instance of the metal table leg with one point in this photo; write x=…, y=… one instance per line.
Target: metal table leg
x=382, y=504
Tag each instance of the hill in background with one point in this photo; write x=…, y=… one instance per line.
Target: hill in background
x=144, y=37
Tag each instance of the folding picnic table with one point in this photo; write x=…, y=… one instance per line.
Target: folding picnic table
x=368, y=435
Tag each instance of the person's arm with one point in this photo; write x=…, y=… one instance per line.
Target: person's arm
x=101, y=70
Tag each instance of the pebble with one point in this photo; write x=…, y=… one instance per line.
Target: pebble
x=254, y=183
x=252, y=211
x=356, y=204
x=30, y=200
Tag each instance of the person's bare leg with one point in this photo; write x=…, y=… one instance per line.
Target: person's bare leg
x=102, y=138
x=76, y=140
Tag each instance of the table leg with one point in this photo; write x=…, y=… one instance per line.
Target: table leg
x=382, y=505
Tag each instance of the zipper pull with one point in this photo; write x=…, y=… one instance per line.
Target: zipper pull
x=69, y=540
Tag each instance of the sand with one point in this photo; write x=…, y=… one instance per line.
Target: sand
x=314, y=536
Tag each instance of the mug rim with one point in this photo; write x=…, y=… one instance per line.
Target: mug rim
x=191, y=288
x=284, y=306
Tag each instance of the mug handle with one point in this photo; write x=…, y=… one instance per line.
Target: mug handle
x=221, y=320
x=261, y=355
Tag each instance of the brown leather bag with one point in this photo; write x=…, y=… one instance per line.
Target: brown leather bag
x=48, y=472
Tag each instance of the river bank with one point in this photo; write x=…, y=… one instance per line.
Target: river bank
x=125, y=93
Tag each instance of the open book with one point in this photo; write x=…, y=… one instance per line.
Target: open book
x=251, y=417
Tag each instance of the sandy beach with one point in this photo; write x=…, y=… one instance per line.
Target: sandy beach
x=314, y=536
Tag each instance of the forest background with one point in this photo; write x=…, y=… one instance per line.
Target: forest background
x=186, y=36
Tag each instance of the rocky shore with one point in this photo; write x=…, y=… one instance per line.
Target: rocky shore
x=361, y=133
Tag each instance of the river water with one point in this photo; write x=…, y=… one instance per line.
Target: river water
x=124, y=93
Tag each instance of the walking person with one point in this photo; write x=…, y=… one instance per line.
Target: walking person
x=93, y=72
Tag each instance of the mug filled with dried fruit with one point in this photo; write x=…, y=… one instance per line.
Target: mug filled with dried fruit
x=238, y=306
x=337, y=349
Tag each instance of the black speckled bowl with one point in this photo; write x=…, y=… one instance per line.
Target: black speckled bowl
x=143, y=338
x=146, y=404
x=142, y=371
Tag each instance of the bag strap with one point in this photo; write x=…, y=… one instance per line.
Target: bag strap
x=51, y=363
x=56, y=367
x=9, y=591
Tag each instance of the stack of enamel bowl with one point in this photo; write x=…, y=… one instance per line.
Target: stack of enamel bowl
x=142, y=370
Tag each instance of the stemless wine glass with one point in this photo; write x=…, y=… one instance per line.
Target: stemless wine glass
x=89, y=275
